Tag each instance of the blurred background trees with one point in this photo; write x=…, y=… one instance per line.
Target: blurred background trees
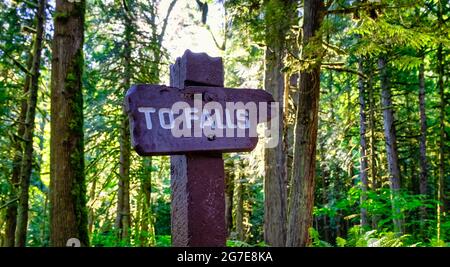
x=363, y=85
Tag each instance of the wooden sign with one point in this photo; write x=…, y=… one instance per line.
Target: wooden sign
x=168, y=121
x=195, y=121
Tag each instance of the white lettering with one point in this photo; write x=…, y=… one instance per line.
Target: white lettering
x=162, y=120
x=235, y=119
x=148, y=119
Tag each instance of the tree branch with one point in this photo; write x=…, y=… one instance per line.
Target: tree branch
x=9, y=203
x=30, y=3
x=128, y=13
x=166, y=20
x=336, y=49
x=222, y=46
x=16, y=62
x=345, y=70
x=355, y=8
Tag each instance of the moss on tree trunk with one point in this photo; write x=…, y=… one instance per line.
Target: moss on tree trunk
x=67, y=184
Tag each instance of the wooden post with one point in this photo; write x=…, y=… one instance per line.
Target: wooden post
x=197, y=179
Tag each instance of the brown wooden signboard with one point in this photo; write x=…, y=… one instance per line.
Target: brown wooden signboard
x=152, y=119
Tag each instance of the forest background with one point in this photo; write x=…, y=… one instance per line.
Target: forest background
x=363, y=158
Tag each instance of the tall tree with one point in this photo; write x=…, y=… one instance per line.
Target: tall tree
x=390, y=136
x=147, y=227
x=423, y=181
x=373, y=141
x=27, y=159
x=91, y=209
x=279, y=16
x=68, y=216
x=123, y=218
x=10, y=15
x=301, y=198
x=363, y=167
x=442, y=143
x=11, y=211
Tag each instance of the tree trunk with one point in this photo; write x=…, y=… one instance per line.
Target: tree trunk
x=325, y=195
x=329, y=189
x=240, y=231
x=373, y=158
x=91, y=209
x=27, y=160
x=123, y=218
x=229, y=191
x=278, y=19
x=301, y=199
x=67, y=183
x=423, y=180
x=137, y=229
x=11, y=210
x=363, y=143
x=442, y=144
x=391, y=143
x=146, y=220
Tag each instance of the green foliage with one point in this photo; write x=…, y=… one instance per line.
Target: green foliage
x=237, y=243
x=38, y=233
x=407, y=34
x=378, y=204
x=163, y=241
x=341, y=242
x=360, y=238
x=374, y=238
x=106, y=239
x=439, y=243
x=162, y=213
x=316, y=242
x=256, y=220
x=247, y=15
